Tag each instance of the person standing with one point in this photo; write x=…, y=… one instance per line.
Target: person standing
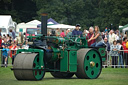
x=7, y=36
x=3, y=45
x=106, y=35
x=103, y=35
x=106, y=51
x=89, y=35
x=121, y=53
x=125, y=35
x=0, y=38
x=68, y=33
x=106, y=30
x=9, y=41
x=57, y=32
x=125, y=57
x=12, y=34
x=114, y=53
x=0, y=32
x=20, y=39
x=112, y=37
x=62, y=34
x=76, y=31
x=4, y=36
x=117, y=36
x=13, y=51
x=53, y=32
x=4, y=42
x=121, y=36
x=5, y=54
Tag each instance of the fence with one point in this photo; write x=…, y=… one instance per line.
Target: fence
x=119, y=61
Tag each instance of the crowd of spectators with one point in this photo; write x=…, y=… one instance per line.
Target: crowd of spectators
x=114, y=42
x=9, y=44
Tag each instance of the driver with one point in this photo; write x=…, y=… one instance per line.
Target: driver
x=76, y=31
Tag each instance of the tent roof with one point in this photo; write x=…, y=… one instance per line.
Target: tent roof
x=36, y=22
x=5, y=20
x=61, y=26
x=50, y=21
x=123, y=27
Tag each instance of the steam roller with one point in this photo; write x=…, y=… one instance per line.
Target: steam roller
x=62, y=57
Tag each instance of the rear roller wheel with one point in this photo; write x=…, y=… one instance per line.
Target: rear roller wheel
x=23, y=65
x=89, y=63
x=62, y=75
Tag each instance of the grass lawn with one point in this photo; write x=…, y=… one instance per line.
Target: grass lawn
x=108, y=76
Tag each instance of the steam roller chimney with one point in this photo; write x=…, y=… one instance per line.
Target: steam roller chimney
x=44, y=24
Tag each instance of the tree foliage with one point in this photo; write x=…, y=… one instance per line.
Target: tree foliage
x=104, y=13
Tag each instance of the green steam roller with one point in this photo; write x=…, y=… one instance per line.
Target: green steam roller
x=62, y=57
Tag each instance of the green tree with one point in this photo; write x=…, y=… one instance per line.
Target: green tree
x=104, y=13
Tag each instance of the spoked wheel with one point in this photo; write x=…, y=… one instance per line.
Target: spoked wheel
x=62, y=75
x=24, y=65
x=89, y=63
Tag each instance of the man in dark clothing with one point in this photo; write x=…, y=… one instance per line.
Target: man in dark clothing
x=107, y=44
x=12, y=34
x=53, y=32
x=76, y=31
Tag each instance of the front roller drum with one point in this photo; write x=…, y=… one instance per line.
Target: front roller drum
x=24, y=64
x=89, y=63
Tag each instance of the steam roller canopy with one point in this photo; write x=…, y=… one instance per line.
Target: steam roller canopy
x=23, y=65
x=89, y=63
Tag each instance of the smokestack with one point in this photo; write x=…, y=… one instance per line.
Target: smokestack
x=44, y=24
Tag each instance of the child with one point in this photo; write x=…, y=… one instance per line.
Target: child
x=5, y=54
x=13, y=51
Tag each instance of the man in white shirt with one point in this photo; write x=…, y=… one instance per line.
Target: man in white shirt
x=112, y=37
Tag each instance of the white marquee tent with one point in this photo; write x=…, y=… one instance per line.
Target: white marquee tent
x=35, y=23
x=31, y=24
x=61, y=26
x=6, y=23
